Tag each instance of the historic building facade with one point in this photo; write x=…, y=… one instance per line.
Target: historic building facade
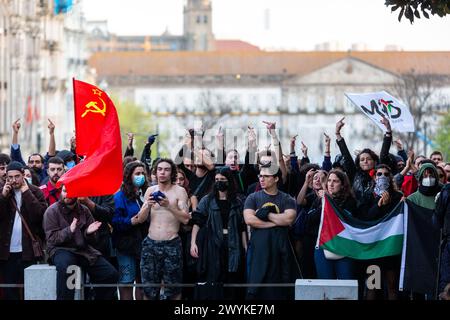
x=42, y=46
x=302, y=91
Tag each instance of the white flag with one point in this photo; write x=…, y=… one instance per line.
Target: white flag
x=376, y=104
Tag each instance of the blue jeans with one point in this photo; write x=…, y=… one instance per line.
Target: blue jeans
x=342, y=269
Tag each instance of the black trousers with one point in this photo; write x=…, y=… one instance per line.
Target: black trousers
x=102, y=272
x=11, y=272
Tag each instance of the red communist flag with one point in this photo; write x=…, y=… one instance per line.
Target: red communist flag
x=97, y=135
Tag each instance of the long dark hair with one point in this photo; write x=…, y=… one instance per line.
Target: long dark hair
x=128, y=187
x=231, y=192
x=186, y=181
x=346, y=188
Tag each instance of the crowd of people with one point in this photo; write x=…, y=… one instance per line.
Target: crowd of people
x=206, y=219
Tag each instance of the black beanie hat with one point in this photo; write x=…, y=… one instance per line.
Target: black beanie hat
x=15, y=165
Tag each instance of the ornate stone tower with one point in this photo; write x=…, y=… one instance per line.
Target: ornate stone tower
x=198, y=25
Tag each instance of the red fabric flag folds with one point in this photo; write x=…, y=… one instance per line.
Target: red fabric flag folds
x=98, y=138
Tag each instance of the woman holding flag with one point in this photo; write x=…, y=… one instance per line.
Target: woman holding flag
x=328, y=264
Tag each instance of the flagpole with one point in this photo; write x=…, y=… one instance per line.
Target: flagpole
x=74, y=113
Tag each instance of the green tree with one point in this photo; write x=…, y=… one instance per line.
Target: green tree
x=134, y=119
x=442, y=138
x=411, y=8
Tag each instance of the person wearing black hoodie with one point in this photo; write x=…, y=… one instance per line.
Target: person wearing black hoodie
x=361, y=171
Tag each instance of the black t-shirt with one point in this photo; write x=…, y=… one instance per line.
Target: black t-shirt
x=224, y=206
x=281, y=200
x=200, y=186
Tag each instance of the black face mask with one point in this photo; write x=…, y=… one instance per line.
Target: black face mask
x=221, y=185
x=429, y=191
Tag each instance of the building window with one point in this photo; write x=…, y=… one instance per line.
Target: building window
x=272, y=105
x=181, y=107
x=163, y=103
x=349, y=107
x=293, y=104
x=236, y=102
x=253, y=103
x=311, y=104
x=199, y=19
x=330, y=104
x=205, y=19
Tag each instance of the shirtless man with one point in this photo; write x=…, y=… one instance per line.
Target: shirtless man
x=161, y=257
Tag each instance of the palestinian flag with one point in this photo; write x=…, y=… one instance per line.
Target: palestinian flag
x=344, y=235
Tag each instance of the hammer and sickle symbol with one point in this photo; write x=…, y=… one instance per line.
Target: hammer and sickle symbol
x=93, y=107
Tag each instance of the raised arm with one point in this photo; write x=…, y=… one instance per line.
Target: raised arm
x=220, y=147
x=293, y=157
x=146, y=156
x=129, y=151
x=387, y=141
x=301, y=197
x=16, y=127
x=249, y=173
x=400, y=151
x=305, y=158
x=16, y=154
x=349, y=163
x=278, y=150
x=326, y=164
x=52, y=143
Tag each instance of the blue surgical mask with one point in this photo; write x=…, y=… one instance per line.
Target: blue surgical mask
x=139, y=181
x=70, y=165
x=30, y=181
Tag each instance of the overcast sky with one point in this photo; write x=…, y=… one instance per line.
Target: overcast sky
x=281, y=24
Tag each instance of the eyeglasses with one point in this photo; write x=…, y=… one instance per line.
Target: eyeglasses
x=379, y=174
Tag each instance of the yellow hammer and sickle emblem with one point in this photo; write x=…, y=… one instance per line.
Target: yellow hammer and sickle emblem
x=93, y=107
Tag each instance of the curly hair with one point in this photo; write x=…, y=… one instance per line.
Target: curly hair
x=372, y=154
x=173, y=168
x=128, y=187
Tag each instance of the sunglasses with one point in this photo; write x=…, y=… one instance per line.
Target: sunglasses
x=379, y=174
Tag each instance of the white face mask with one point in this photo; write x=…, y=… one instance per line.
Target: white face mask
x=428, y=181
x=30, y=181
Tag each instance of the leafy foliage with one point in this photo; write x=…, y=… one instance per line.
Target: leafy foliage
x=443, y=136
x=411, y=8
x=133, y=119
x=417, y=92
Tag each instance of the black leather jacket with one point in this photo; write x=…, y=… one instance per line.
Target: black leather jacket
x=208, y=217
x=362, y=182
